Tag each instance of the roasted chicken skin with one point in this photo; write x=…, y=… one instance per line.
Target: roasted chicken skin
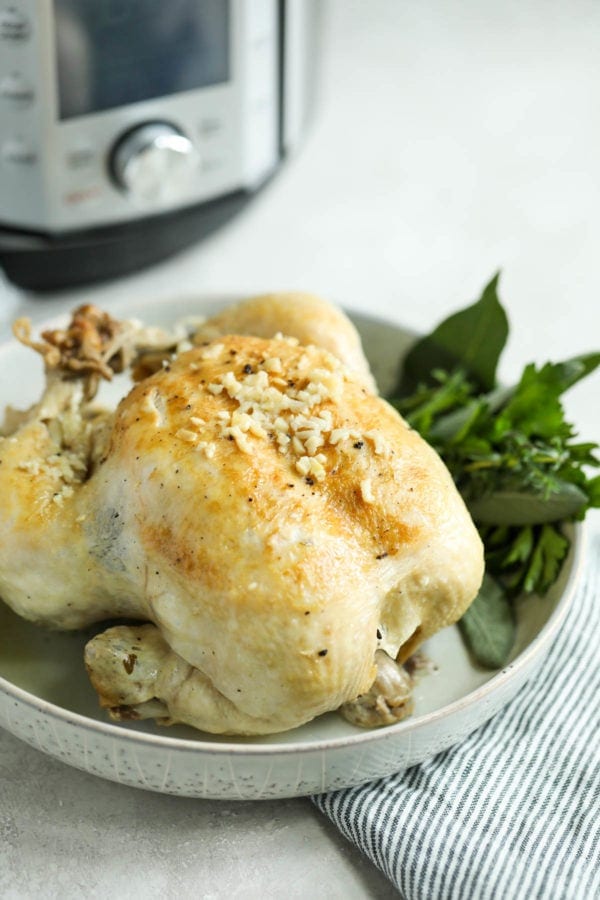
x=303, y=316
x=274, y=520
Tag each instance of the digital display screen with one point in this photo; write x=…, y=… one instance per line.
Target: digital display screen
x=115, y=52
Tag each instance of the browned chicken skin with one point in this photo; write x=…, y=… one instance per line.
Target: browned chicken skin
x=275, y=521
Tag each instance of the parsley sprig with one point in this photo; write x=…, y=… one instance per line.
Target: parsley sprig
x=515, y=459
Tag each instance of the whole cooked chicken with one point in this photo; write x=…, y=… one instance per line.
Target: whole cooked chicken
x=281, y=540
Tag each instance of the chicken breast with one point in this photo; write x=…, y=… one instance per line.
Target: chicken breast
x=297, y=314
x=274, y=520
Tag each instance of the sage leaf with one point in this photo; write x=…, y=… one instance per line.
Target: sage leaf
x=523, y=508
x=471, y=339
x=488, y=626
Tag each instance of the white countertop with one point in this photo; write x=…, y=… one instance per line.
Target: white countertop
x=453, y=140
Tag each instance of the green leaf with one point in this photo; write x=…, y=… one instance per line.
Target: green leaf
x=471, y=339
x=546, y=560
x=522, y=508
x=570, y=371
x=535, y=408
x=488, y=626
x=426, y=403
x=455, y=425
x=593, y=490
x=521, y=547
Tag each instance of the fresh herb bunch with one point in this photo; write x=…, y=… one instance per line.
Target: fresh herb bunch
x=513, y=456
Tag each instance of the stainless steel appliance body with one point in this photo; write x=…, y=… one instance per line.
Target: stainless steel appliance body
x=130, y=128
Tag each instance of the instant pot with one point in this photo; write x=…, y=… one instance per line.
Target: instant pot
x=131, y=128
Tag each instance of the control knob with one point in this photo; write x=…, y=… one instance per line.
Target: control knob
x=153, y=161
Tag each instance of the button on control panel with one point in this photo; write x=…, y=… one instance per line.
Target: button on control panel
x=210, y=127
x=16, y=91
x=80, y=156
x=14, y=25
x=17, y=151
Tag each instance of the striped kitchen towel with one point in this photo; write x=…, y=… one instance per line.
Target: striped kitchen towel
x=513, y=812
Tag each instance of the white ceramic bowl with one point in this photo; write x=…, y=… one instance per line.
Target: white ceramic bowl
x=46, y=699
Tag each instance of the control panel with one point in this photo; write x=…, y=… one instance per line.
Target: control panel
x=103, y=123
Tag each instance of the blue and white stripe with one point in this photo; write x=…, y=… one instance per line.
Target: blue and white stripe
x=512, y=813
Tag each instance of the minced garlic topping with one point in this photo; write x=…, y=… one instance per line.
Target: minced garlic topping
x=186, y=434
x=273, y=407
x=366, y=491
x=65, y=468
x=270, y=406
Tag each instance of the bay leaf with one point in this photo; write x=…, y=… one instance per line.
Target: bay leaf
x=471, y=339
